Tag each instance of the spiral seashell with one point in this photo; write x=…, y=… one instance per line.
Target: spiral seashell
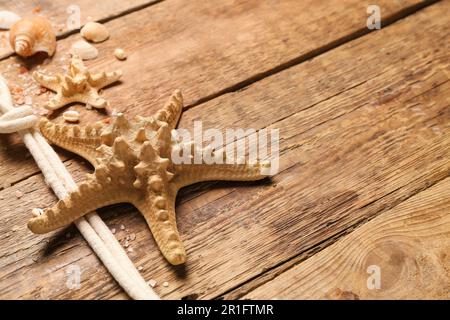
x=30, y=35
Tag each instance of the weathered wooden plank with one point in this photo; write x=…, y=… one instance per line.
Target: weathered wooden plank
x=401, y=254
x=221, y=45
x=61, y=13
x=352, y=146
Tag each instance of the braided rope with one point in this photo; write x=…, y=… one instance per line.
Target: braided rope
x=93, y=229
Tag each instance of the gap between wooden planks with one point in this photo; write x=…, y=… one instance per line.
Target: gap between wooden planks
x=407, y=247
x=59, y=12
x=356, y=146
x=222, y=46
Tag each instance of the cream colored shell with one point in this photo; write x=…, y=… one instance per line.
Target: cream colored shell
x=84, y=50
x=95, y=32
x=120, y=54
x=30, y=35
x=7, y=19
x=71, y=116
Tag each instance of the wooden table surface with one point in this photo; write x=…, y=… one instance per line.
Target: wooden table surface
x=363, y=188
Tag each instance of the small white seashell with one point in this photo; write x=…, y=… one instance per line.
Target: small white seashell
x=152, y=283
x=84, y=50
x=94, y=32
x=71, y=116
x=120, y=54
x=36, y=212
x=7, y=19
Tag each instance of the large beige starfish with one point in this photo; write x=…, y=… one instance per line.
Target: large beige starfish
x=78, y=85
x=133, y=164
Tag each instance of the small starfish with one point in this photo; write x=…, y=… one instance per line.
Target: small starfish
x=133, y=163
x=79, y=85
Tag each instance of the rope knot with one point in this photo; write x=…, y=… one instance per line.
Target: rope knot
x=17, y=119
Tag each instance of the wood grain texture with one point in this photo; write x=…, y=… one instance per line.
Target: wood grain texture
x=58, y=13
x=221, y=45
x=410, y=244
x=358, y=136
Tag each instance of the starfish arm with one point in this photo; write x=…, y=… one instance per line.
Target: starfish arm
x=103, y=79
x=69, y=87
x=93, y=99
x=81, y=140
x=187, y=174
x=77, y=66
x=159, y=212
x=171, y=111
x=89, y=196
x=58, y=101
x=50, y=82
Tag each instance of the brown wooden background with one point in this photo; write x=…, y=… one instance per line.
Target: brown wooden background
x=365, y=145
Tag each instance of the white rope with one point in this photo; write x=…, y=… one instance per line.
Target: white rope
x=93, y=229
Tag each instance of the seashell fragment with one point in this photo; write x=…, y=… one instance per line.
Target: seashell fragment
x=84, y=50
x=30, y=35
x=7, y=19
x=120, y=54
x=71, y=116
x=95, y=32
